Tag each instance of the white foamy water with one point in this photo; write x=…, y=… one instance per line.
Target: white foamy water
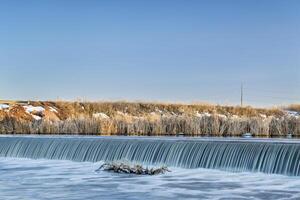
x=51, y=179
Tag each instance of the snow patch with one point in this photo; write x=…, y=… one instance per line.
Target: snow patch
x=4, y=106
x=172, y=113
x=205, y=114
x=138, y=118
x=293, y=114
x=100, y=116
x=222, y=116
x=235, y=117
x=158, y=110
x=34, y=111
x=121, y=113
x=263, y=116
x=36, y=117
x=53, y=109
x=29, y=109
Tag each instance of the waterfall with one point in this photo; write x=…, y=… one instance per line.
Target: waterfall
x=230, y=155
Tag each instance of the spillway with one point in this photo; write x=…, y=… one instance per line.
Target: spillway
x=231, y=155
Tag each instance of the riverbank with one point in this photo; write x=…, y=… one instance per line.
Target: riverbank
x=152, y=119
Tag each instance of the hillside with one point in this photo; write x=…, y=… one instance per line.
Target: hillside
x=136, y=118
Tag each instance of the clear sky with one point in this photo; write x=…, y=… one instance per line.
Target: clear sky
x=165, y=50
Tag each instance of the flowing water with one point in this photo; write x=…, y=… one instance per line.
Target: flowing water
x=209, y=168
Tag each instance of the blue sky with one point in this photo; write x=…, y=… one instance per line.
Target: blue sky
x=180, y=51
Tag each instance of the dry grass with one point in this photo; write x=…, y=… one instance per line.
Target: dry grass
x=141, y=108
x=294, y=107
x=167, y=125
x=127, y=118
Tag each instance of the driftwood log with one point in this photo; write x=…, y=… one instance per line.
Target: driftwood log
x=136, y=169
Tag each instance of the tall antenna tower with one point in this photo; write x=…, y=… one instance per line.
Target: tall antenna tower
x=242, y=94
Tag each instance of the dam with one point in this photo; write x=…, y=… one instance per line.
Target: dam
x=274, y=156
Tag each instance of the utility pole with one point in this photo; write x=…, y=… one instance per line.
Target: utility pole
x=242, y=94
